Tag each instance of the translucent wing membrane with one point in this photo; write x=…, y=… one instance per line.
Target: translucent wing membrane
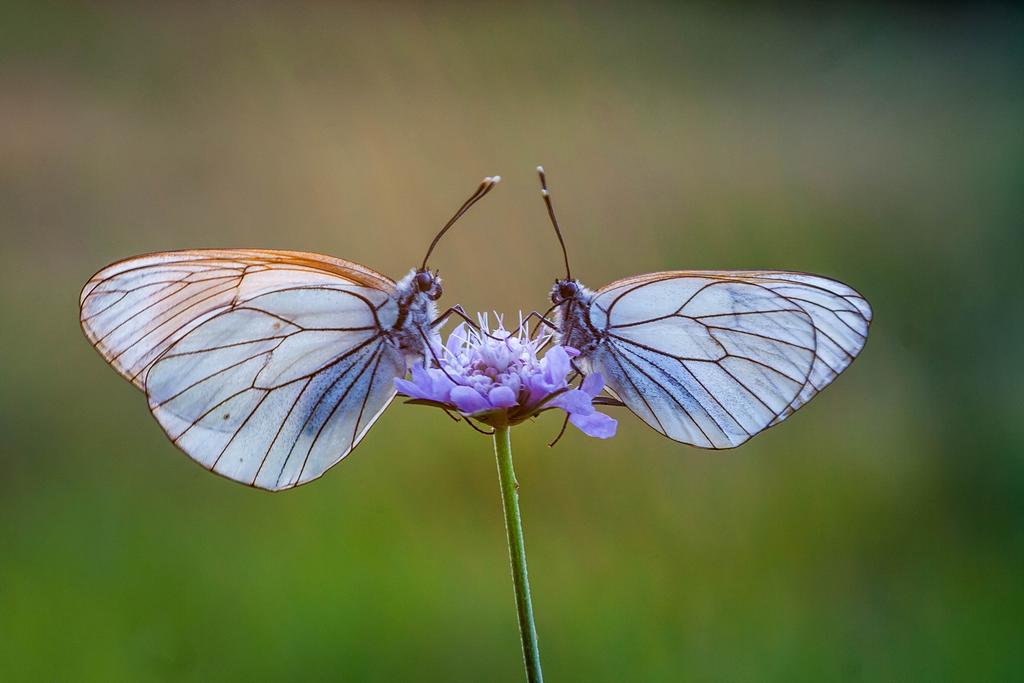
x=841, y=319
x=713, y=358
x=265, y=367
x=133, y=310
x=704, y=361
x=274, y=392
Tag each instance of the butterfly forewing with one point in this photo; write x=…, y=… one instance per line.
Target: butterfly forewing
x=265, y=367
x=133, y=310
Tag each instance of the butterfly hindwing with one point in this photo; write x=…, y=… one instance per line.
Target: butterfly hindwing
x=841, y=319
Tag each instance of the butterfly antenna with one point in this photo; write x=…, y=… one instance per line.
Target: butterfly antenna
x=486, y=186
x=554, y=221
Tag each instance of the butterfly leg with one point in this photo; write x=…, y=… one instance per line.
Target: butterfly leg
x=561, y=432
x=458, y=418
x=478, y=429
x=457, y=310
x=542, y=319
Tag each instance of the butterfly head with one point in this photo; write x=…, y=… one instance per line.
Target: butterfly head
x=565, y=290
x=428, y=283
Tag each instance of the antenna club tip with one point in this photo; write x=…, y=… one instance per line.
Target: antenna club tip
x=540, y=169
x=496, y=179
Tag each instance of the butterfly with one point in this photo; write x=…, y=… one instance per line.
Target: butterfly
x=709, y=358
x=267, y=367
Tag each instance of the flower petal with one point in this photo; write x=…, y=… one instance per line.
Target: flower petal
x=407, y=388
x=574, y=402
x=468, y=400
x=556, y=366
x=425, y=384
x=502, y=397
x=537, y=388
x=593, y=384
x=597, y=425
x=419, y=387
x=440, y=385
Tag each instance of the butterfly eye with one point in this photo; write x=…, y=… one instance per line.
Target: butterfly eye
x=424, y=281
x=435, y=292
x=567, y=290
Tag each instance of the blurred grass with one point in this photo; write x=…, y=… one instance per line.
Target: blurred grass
x=875, y=536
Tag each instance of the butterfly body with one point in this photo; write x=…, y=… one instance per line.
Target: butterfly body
x=414, y=300
x=572, y=317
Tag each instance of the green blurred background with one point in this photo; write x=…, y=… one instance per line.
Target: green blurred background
x=878, y=535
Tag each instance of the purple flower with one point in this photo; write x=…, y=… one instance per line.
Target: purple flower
x=499, y=378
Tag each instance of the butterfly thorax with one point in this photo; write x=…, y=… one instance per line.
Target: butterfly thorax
x=572, y=316
x=414, y=297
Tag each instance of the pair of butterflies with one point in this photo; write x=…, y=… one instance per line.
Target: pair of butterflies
x=268, y=367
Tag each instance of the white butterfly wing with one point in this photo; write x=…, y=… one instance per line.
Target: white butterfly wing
x=841, y=318
x=264, y=367
x=713, y=358
x=273, y=392
x=133, y=310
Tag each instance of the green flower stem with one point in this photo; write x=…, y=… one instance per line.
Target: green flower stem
x=517, y=553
